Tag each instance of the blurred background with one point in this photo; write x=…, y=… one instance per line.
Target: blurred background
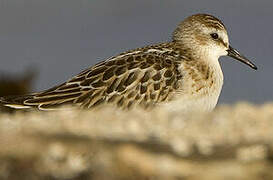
x=60, y=38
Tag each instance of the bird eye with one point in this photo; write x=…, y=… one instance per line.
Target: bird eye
x=214, y=35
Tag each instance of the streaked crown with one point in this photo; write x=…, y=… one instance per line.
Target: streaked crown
x=202, y=31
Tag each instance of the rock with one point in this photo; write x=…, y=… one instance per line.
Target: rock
x=233, y=142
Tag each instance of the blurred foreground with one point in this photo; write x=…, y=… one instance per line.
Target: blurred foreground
x=231, y=143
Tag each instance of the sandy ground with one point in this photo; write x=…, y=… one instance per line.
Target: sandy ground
x=233, y=142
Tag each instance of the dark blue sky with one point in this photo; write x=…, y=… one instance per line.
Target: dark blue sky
x=63, y=37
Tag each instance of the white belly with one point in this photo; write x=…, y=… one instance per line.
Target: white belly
x=200, y=103
x=188, y=103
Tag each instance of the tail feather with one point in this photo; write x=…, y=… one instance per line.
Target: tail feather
x=68, y=93
x=32, y=101
x=50, y=99
x=16, y=102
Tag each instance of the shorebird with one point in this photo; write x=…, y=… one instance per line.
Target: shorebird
x=184, y=72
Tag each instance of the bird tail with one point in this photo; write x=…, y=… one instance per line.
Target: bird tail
x=16, y=102
x=51, y=99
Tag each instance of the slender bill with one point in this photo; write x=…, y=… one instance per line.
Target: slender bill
x=236, y=55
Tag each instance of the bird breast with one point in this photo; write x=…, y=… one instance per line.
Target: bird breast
x=202, y=84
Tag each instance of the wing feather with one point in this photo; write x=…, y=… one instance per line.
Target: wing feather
x=143, y=77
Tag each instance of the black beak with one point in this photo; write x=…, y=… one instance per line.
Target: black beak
x=236, y=55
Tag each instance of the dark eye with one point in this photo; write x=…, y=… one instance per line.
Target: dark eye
x=214, y=35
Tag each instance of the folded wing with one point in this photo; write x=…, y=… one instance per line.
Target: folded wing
x=143, y=77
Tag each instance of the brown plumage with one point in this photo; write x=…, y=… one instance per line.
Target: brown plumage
x=143, y=77
x=184, y=71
